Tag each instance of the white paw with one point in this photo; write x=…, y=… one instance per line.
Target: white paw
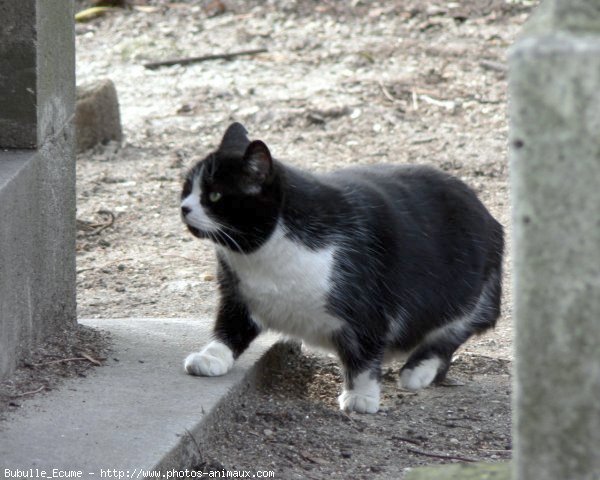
x=422, y=375
x=351, y=401
x=363, y=397
x=215, y=359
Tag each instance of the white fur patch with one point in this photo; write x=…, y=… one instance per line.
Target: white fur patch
x=197, y=217
x=286, y=285
x=213, y=360
x=422, y=375
x=364, y=396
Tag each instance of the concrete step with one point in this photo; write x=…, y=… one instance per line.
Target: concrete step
x=133, y=415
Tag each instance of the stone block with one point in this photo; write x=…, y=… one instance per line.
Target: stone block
x=37, y=187
x=573, y=16
x=36, y=96
x=555, y=169
x=37, y=247
x=55, y=67
x=18, y=92
x=97, y=117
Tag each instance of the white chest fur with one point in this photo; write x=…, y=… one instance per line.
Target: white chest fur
x=285, y=285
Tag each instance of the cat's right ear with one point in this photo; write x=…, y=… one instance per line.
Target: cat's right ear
x=258, y=166
x=235, y=138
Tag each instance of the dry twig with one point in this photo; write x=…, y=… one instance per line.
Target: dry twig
x=203, y=58
x=91, y=13
x=406, y=439
x=415, y=101
x=30, y=393
x=386, y=93
x=437, y=455
x=84, y=356
x=493, y=66
x=60, y=360
x=91, y=359
x=94, y=228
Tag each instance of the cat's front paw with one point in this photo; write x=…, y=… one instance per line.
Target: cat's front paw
x=351, y=401
x=215, y=359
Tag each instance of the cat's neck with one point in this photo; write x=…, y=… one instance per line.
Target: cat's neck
x=312, y=209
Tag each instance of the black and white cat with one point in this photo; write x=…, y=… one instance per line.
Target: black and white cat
x=365, y=262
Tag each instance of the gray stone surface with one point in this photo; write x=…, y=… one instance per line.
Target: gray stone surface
x=555, y=170
x=480, y=471
x=97, y=117
x=55, y=67
x=37, y=187
x=37, y=61
x=139, y=412
x=37, y=247
x=573, y=16
x=16, y=270
x=18, y=119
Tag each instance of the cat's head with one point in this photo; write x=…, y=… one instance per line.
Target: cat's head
x=233, y=195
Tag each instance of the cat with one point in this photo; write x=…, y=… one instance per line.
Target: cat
x=365, y=262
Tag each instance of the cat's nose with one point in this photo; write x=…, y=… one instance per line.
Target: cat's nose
x=185, y=210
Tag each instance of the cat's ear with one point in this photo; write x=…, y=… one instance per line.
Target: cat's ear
x=258, y=166
x=235, y=138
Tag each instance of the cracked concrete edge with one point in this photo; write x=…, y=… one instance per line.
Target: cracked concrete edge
x=189, y=453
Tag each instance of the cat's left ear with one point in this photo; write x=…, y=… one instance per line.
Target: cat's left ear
x=235, y=138
x=258, y=166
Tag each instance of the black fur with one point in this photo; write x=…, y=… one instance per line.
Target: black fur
x=416, y=250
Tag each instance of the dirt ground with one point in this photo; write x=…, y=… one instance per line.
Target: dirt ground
x=341, y=83
x=291, y=423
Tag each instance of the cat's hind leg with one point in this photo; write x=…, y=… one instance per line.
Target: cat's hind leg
x=233, y=332
x=430, y=361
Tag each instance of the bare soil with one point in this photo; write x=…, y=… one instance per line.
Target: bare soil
x=291, y=423
x=70, y=353
x=342, y=83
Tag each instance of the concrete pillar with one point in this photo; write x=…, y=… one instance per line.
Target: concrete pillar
x=36, y=51
x=555, y=180
x=37, y=174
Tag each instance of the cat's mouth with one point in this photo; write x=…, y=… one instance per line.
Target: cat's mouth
x=196, y=232
x=197, y=226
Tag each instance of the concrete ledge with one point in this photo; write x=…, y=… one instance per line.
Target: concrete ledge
x=481, y=471
x=37, y=246
x=37, y=188
x=138, y=412
x=15, y=269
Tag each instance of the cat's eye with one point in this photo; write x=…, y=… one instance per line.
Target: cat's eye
x=215, y=196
